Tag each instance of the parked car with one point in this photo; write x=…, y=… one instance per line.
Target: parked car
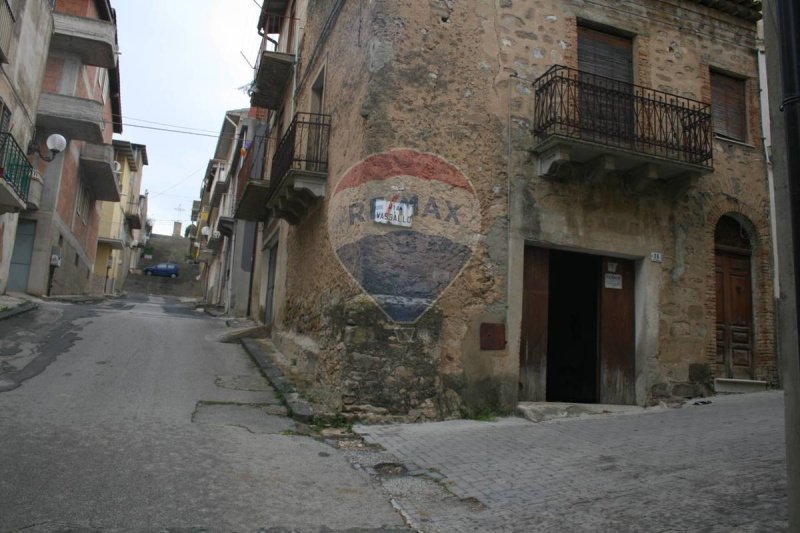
x=163, y=269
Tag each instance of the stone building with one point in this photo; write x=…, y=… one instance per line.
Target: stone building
x=469, y=204
x=25, y=32
x=56, y=245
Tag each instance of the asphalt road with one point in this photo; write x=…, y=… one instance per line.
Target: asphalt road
x=128, y=416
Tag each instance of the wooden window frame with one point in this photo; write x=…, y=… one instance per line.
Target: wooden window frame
x=729, y=105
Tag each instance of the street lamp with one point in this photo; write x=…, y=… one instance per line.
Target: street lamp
x=56, y=143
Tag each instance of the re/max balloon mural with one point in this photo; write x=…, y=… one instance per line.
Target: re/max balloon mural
x=403, y=224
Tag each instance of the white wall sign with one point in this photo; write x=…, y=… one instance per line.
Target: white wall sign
x=613, y=281
x=393, y=213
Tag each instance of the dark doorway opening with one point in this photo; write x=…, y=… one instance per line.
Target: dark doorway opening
x=572, y=358
x=578, y=332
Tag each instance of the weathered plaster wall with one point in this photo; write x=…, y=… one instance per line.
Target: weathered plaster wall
x=675, y=46
x=446, y=78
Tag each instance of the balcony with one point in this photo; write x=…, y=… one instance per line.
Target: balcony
x=35, y=191
x=272, y=76
x=97, y=168
x=596, y=126
x=300, y=167
x=93, y=40
x=7, y=22
x=275, y=62
x=217, y=172
x=195, y=210
x=15, y=175
x=133, y=214
x=75, y=118
x=253, y=203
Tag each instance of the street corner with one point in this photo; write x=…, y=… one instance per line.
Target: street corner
x=13, y=305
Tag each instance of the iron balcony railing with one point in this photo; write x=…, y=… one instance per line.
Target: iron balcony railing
x=304, y=146
x=588, y=107
x=7, y=21
x=14, y=166
x=279, y=34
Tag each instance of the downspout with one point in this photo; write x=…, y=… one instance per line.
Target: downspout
x=767, y=141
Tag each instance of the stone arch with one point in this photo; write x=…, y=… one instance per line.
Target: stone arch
x=756, y=223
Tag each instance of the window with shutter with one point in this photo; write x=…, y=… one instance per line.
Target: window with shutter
x=5, y=117
x=605, y=61
x=728, y=106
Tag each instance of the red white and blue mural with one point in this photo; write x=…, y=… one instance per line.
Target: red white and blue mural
x=404, y=224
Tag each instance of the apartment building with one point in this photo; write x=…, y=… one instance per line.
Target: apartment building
x=121, y=234
x=25, y=32
x=469, y=204
x=80, y=100
x=225, y=245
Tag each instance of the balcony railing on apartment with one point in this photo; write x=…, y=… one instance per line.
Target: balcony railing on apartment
x=279, y=34
x=299, y=167
x=304, y=146
x=587, y=107
x=7, y=22
x=133, y=213
x=14, y=166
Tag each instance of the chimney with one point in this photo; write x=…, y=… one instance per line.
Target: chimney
x=176, y=229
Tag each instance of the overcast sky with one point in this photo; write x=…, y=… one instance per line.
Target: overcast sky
x=181, y=67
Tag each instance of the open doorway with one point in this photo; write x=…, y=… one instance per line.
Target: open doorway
x=572, y=327
x=577, y=339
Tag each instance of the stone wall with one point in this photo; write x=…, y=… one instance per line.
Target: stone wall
x=450, y=81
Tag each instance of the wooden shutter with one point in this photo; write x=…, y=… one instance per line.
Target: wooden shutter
x=5, y=117
x=728, y=106
x=604, y=54
x=606, y=91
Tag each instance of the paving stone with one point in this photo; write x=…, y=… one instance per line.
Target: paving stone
x=715, y=467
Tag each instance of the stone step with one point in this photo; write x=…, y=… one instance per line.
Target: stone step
x=738, y=386
x=542, y=411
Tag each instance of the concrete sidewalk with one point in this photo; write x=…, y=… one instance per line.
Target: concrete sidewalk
x=15, y=304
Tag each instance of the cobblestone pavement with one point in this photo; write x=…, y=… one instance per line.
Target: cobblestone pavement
x=717, y=467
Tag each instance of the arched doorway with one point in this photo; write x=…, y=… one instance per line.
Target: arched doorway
x=734, y=320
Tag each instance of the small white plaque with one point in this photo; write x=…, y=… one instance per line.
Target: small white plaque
x=393, y=213
x=655, y=257
x=613, y=281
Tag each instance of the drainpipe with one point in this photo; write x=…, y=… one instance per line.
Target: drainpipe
x=787, y=13
x=767, y=141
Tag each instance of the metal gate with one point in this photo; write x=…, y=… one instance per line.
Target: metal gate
x=21, y=257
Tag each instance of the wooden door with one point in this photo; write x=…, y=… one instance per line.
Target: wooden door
x=734, y=316
x=617, y=334
x=533, y=342
x=606, y=98
x=269, y=304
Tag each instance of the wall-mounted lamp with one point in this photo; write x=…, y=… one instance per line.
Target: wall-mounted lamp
x=116, y=167
x=56, y=143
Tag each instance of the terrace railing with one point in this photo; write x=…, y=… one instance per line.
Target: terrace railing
x=15, y=168
x=587, y=107
x=304, y=147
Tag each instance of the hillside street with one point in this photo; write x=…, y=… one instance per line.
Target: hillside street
x=129, y=415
